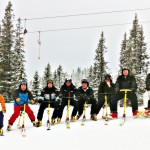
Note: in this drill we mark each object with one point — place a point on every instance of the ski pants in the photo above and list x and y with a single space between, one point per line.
44 105
1 119
120 95
146 99
81 106
16 113
101 102
64 103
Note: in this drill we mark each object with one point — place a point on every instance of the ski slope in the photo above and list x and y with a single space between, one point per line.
94 135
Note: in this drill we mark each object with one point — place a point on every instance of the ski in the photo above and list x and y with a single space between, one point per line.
106 121
123 120
67 123
48 125
83 121
23 133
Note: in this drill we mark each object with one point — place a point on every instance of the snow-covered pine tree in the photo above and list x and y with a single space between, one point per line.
123 53
36 85
18 67
55 78
60 76
90 76
47 75
7 39
100 65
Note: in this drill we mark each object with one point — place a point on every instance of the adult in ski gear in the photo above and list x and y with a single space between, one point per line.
49 95
107 86
125 81
68 91
85 94
2 110
22 96
146 97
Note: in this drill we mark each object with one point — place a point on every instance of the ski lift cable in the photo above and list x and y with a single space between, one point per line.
85 27
84 14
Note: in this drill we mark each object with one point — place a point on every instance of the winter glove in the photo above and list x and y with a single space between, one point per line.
17 99
32 101
4 111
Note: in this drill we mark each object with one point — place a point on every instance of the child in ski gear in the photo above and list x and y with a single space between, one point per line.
68 91
125 81
49 95
22 96
85 94
107 86
2 110
146 97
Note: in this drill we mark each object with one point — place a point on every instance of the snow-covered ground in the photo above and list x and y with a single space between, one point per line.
134 135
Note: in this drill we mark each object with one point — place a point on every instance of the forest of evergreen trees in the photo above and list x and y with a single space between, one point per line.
133 54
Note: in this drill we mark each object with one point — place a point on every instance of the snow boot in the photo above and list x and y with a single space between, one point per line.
58 120
53 122
146 113
78 116
9 127
136 114
73 119
34 123
39 123
1 132
113 115
94 117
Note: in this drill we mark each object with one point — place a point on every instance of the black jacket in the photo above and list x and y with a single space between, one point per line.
128 82
67 91
49 94
104 88
148 82
85 95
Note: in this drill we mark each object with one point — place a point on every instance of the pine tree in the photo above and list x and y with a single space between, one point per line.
60 76
18 66
6 51
90 76
55 78
36 85
99 69
47 74
124 54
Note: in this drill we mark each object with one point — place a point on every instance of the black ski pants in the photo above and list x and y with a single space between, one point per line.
120 95
44 105
81 106
101 102
64 103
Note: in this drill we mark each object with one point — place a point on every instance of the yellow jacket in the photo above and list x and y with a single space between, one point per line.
2 102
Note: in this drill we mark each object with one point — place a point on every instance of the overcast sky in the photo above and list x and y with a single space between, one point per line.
73 48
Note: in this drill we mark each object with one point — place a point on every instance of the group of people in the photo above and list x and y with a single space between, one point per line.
78 98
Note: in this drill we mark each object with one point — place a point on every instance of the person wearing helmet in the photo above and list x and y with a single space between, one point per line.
146 97
106 87
125 81
22 96
68 91
48 95
85 94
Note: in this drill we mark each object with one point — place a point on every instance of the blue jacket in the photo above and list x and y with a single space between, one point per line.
24 96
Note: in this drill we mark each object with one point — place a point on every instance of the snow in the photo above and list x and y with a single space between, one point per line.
93 135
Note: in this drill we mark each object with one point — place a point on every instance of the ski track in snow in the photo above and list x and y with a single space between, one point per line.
134 134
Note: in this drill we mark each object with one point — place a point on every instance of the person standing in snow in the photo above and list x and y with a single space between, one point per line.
22 96
49 95
146 97
2 110
125 81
